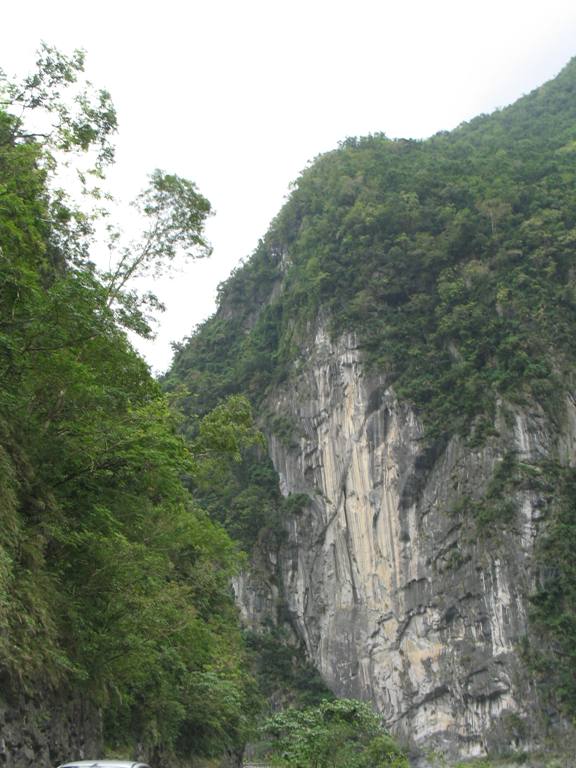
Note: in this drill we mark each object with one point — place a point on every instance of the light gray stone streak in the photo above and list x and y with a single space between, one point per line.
397 598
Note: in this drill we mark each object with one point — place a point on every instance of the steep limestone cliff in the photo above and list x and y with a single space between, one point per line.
399 595
405 331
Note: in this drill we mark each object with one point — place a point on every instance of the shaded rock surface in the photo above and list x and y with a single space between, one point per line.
47 729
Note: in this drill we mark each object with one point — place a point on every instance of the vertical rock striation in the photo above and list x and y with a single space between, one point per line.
47 728
399 597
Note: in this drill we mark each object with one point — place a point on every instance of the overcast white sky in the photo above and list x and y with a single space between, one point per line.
239 94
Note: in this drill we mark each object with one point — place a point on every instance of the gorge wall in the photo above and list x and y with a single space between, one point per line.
405 332
47 728
399 595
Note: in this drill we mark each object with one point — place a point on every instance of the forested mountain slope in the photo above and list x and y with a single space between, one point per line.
119 635
117 628
406 333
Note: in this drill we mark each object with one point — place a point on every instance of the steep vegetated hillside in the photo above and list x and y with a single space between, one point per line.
117 628
405 331
119 634
449 257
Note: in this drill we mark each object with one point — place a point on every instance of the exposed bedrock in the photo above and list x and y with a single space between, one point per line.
398 596
47 728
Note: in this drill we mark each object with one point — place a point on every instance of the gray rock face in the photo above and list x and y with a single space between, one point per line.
397 596
47 729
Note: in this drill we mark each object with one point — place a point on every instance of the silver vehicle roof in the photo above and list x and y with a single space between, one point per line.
103 764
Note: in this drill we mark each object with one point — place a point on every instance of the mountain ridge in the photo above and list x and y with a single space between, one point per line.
405 331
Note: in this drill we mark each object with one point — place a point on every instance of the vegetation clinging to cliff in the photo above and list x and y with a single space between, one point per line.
340 733
454 262
451 258
553 609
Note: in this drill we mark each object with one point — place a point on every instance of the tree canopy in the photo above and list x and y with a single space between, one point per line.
338 733
113 580
451 259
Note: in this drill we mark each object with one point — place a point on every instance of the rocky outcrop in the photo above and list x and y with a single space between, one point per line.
399 596
47 728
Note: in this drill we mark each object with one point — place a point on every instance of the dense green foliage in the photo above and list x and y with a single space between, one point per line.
454 262
282 670
113 581
244 496
453 259
340 733
554 603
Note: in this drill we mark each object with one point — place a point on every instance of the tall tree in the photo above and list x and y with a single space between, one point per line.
113 582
